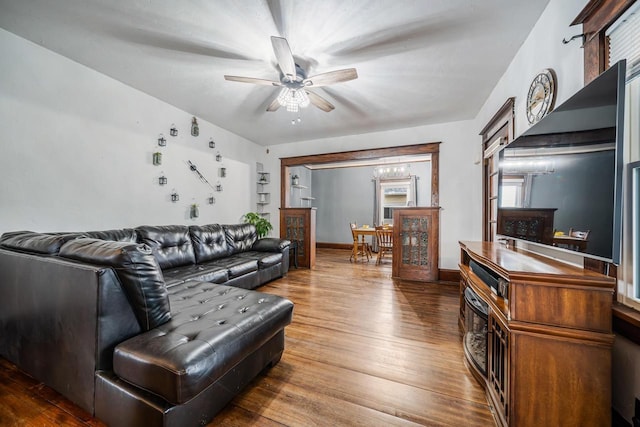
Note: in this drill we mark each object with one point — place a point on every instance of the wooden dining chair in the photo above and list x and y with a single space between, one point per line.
384 236
359 247
584 235
581 240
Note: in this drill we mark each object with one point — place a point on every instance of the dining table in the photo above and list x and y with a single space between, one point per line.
573 243
360 234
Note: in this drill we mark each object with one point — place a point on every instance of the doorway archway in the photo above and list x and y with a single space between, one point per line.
432 148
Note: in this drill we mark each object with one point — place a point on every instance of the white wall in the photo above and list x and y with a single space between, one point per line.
542 49
76 151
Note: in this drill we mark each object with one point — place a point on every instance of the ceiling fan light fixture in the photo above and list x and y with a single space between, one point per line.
293 99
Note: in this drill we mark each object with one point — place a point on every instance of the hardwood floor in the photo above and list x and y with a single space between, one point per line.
363 349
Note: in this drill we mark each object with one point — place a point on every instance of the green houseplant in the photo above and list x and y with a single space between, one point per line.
263 226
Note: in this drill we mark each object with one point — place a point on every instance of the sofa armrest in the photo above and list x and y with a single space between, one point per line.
138 272
271 244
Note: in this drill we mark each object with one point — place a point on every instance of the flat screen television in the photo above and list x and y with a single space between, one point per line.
560 181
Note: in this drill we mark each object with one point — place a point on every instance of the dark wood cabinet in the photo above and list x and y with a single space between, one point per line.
415 243
535 225
299 225
548 339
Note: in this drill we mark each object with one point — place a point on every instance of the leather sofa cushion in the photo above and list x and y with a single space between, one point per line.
118 235
33 242
205 273
271 244
209 242
265 259
240 237
235 265
171 244
137 270
213 328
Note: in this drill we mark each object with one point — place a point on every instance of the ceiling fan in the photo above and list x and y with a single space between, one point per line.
295 84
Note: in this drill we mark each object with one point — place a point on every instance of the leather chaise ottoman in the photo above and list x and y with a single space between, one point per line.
190 355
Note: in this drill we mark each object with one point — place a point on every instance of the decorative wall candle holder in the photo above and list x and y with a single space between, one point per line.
218 157
173 131
162 142
157 158
218 187
162 180
194 212
211 200
212 143
195 131
175 197
223 172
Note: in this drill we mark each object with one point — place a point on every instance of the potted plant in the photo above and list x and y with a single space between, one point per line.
263 226
295 179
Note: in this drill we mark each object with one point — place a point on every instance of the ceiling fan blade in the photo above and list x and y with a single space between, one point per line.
331 77
320 102
284 57
275 104
252 80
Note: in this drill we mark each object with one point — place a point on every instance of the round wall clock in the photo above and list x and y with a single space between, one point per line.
541 96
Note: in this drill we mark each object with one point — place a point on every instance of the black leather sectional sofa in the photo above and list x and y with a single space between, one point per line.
153 326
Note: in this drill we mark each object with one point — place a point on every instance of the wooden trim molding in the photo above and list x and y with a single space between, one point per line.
327 245
626 322
432 148
446 275
595 18
503 116
375 153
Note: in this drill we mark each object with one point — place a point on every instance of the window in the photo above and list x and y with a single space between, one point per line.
512 192
623 38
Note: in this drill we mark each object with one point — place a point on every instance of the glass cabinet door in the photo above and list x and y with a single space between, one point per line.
416 240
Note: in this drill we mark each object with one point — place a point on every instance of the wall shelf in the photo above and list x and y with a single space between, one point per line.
264 196
304 200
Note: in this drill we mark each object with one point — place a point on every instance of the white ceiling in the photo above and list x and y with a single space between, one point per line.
419 61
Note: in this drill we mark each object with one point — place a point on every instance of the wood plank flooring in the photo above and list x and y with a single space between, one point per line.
363 350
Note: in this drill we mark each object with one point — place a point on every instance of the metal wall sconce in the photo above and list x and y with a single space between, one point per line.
157 158
195 130
162 180
218 187
211 200
212 143
194 212
175 197
223 172
161 141
173 131
218 157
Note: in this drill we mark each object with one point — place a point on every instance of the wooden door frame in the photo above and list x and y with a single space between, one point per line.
432 148
500 125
